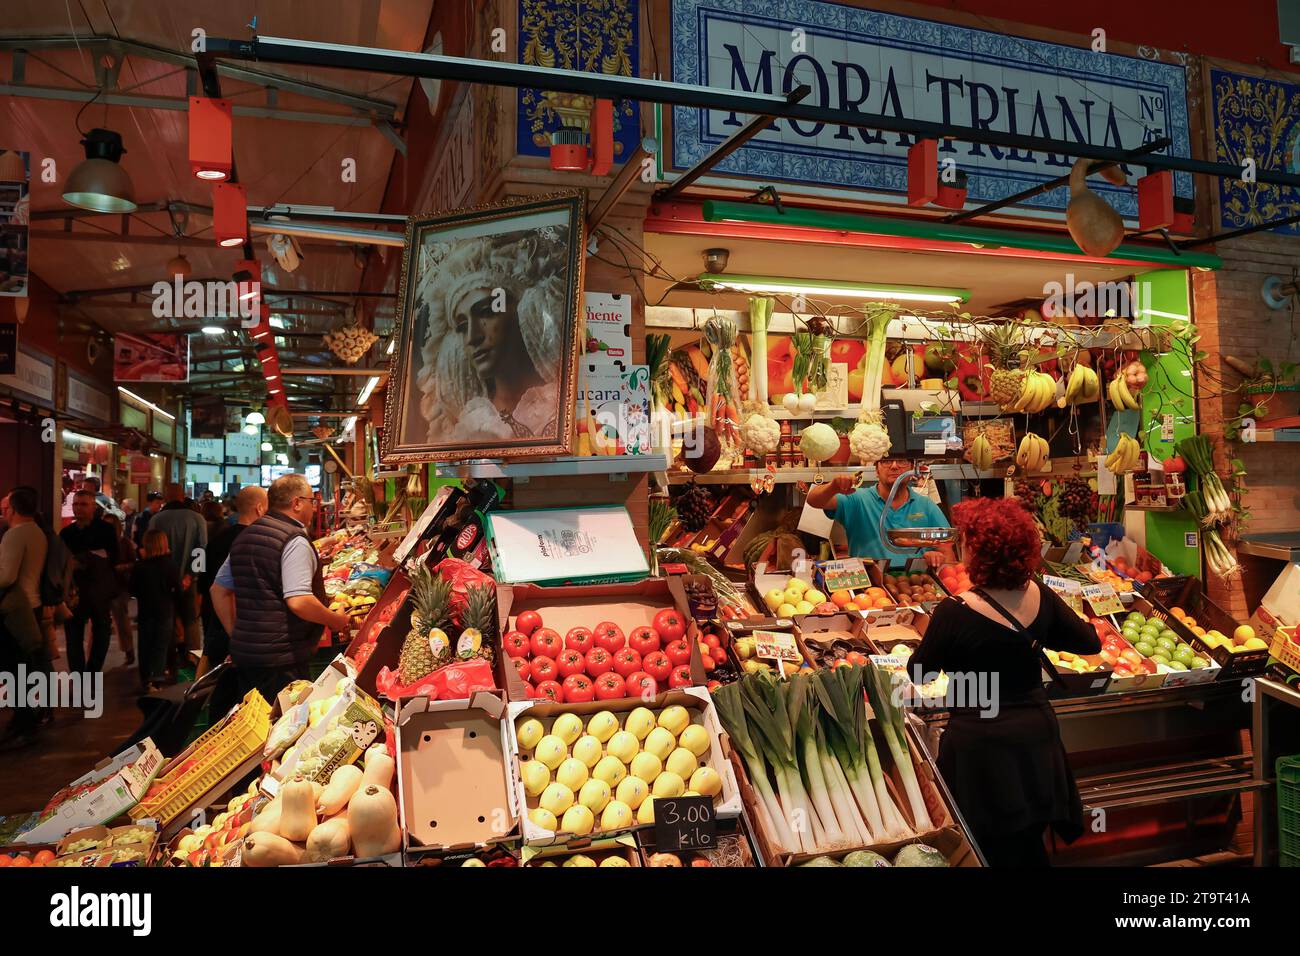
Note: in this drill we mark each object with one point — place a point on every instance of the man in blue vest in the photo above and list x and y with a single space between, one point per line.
270 595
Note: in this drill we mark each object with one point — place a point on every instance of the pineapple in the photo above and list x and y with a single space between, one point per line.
1005 345
479 618
427 646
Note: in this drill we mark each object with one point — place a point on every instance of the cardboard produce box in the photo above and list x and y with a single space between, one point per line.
111 789
628 605
352 723
565 546
1172 677
950 841
453 793
1186 593
734 847
697 702
622 849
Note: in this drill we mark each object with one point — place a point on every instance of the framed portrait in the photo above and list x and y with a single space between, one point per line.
487 332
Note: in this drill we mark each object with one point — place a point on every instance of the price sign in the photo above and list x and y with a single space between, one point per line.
776 646
887 617
1070 591
846 574
685 823
1103 599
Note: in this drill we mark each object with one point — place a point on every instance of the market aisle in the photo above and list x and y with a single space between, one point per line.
72 744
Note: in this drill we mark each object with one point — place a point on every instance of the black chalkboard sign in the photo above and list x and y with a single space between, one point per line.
685 823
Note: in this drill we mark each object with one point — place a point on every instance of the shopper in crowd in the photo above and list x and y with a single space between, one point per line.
187 536
250 504
92 484
858 511
214 516
128 522
22 641
1001 754
157 586
55 583
123 560
270 595
153 504
93 547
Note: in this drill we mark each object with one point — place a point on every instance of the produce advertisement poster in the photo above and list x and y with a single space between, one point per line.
776 646
15 210
845 574
1071 592
1103 599
609 328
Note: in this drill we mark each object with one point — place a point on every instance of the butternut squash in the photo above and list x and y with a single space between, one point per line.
379 768
267 819
372 818
343 783
297 810
329 840
1094 225
267 849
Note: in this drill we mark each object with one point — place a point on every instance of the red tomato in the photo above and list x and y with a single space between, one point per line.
719 655
544 668
517 644
626 661
580 639
610 686
547 643
570 662
610 636
578 689
657 665
522 666
528 622
644 640
550 690
679 652
670 624
599 661
681 677
713 685
712 640
640 684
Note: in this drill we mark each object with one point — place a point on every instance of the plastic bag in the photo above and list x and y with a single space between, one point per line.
462 576
452 682
286 730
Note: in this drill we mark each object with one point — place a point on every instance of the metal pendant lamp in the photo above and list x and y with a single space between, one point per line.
99 183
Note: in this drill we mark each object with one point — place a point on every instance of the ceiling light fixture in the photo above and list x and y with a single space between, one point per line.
367 389
179 266
250 429
98 182
213 330
255 418
211 136
267 446
832 287
392 344
230 214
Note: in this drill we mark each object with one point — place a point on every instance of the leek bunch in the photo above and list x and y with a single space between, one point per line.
809 750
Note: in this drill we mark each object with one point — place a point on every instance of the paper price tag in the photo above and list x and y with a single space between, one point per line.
776 646
845 574
1062 586
685 823
887 617
1103 599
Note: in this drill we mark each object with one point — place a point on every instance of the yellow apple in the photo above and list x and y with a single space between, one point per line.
632 791
814 597
588 750
786 610
578 819
551 751
529 733
617 816
556 798
623 745
675 719
706 780
572 773
695 739
646 766
594 795
640 722
602 726
535 776
543 818
668 784
610 770
773 598
803 607
681 762
660 742
646 812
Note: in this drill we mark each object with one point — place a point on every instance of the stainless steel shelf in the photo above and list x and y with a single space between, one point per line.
787 476
1279 545
555 467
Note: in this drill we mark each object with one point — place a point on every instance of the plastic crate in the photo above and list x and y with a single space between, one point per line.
1288 810
219 751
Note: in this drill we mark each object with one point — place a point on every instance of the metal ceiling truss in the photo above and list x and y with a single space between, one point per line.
110 52
459 69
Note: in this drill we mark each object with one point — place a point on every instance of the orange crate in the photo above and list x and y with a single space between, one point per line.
206 762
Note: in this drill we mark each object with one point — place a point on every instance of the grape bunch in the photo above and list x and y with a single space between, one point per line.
1077 501
1030 493
694 505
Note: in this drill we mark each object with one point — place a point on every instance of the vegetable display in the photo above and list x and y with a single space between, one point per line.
869 440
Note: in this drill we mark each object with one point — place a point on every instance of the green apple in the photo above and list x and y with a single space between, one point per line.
1167 643
774 599
1178 665
1198 663
661 742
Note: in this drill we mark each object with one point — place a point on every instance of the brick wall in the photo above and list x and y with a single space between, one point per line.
1233 320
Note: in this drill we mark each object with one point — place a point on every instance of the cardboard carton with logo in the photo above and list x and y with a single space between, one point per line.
112 788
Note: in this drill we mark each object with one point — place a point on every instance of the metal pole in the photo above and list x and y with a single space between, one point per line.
732 143
459 69
1248 230
622 182
1050 184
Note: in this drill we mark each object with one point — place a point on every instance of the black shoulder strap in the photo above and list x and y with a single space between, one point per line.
1019 628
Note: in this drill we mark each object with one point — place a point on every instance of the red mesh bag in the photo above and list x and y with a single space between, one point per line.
462 577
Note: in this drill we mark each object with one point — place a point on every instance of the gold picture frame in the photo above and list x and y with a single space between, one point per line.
488 328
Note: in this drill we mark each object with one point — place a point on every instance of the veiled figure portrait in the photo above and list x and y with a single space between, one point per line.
487 333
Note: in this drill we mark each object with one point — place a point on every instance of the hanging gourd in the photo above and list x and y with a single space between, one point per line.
1094 225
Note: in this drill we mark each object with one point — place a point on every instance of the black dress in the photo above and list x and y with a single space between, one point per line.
1008 773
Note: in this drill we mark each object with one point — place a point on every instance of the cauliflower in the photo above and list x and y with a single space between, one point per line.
869 442
761 435
818 442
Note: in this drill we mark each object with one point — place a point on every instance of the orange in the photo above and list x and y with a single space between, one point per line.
1178 612
840 598
884 602
6 860
43 857
1198 631
22 860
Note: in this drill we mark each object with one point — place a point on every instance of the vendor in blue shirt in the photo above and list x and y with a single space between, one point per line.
858 511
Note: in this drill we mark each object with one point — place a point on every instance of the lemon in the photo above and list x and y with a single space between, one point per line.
695 739
674 719
529 733
535 776
602 726
681 762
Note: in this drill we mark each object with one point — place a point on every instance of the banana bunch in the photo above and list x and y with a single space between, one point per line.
1037 394
981 453
1032 454
1125 456
1120 396
1082 386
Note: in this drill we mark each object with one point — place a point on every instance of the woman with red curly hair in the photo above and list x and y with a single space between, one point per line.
1001 754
